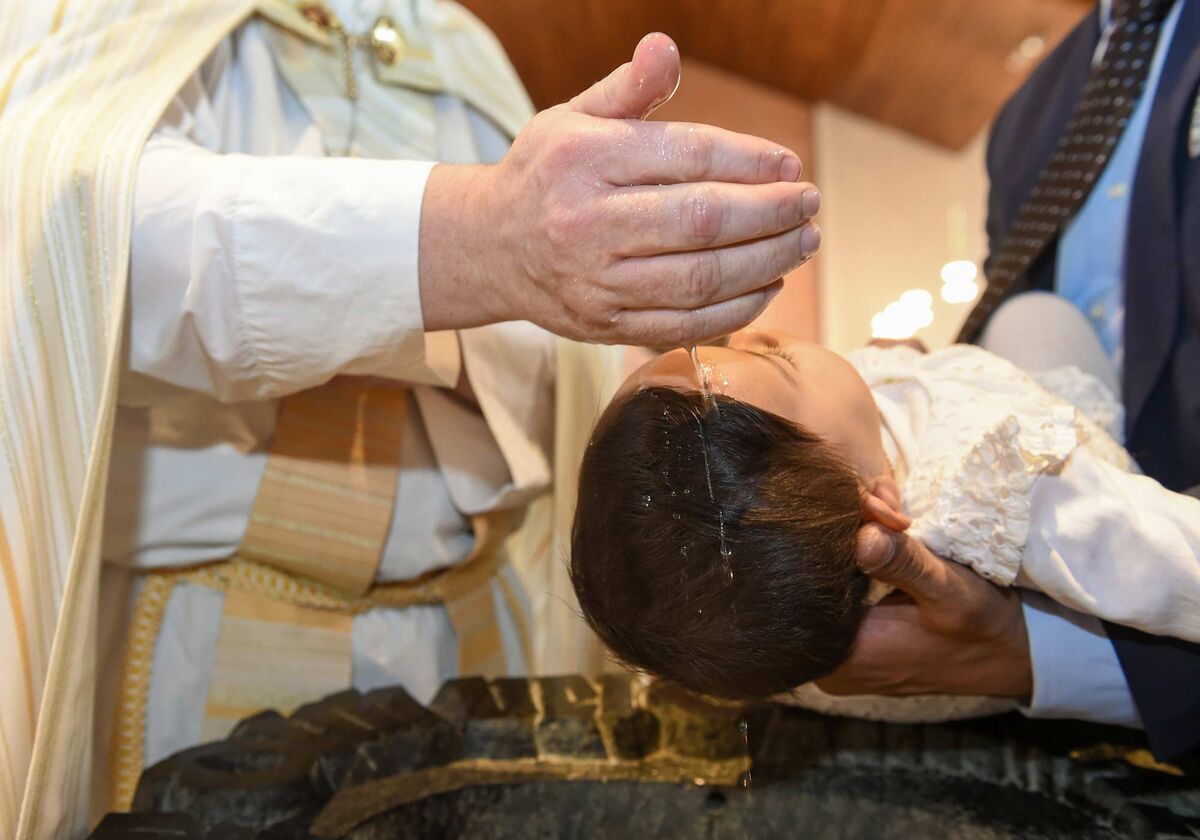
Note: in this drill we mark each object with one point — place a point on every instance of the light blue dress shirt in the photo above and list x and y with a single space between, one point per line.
1076 673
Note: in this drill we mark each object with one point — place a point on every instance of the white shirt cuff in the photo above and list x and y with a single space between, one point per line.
1076 673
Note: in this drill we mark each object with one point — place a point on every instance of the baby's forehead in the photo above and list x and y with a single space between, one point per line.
672 369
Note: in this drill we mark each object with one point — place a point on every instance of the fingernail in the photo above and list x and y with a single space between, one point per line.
870 544
790 169
810 239
811 202
891 546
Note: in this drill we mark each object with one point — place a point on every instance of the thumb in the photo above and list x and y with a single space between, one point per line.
904 563
635 89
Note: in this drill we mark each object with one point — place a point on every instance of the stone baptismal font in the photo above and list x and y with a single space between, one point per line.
569 757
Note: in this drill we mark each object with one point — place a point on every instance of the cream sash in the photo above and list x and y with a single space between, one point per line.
326 497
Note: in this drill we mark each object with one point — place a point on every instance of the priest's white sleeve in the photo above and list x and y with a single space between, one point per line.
252 277
1117 546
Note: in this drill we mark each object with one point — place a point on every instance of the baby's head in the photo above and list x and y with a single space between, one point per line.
788 469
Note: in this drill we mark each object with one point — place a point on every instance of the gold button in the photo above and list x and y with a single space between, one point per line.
388 42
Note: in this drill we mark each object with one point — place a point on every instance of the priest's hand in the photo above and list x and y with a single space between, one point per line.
600 226
946 630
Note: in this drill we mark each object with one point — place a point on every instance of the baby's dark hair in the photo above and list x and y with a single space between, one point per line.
660 480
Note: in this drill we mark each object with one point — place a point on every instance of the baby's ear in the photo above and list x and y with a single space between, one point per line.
881 503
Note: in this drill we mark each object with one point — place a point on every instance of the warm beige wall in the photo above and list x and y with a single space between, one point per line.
895 210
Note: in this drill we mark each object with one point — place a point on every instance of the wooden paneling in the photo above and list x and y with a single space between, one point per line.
941 68
936 68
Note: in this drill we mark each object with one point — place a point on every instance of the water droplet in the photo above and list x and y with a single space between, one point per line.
703 374
743 726
683 551
730 573
646 500
726 551
676 516
673 494
686 491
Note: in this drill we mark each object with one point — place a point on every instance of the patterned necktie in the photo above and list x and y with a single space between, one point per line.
1111 94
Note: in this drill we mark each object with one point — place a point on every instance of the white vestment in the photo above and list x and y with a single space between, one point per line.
261 268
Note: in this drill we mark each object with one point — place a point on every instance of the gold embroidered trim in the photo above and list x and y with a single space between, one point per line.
436 587
356 805
128 737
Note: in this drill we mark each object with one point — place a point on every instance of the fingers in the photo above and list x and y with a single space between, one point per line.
904 563
878 510
635 89
680 327
675 153
694 280
687 217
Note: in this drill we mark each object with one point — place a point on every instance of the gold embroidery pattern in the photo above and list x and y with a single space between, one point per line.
464 589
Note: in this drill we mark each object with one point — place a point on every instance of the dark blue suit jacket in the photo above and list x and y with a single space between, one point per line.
1162 311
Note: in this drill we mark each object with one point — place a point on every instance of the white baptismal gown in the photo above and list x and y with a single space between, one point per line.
1021 477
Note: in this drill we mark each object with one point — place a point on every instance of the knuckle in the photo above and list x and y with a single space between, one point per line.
704 278
899 567
566 149
695 153
704 216
674 331
975 607
797 254
789 212
765 169
563 226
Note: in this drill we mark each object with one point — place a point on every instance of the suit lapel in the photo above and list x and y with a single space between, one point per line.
1028 130
1152 254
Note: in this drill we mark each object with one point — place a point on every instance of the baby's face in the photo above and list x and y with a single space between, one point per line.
803 382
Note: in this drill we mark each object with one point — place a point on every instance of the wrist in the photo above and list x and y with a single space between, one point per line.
459 262
1006 668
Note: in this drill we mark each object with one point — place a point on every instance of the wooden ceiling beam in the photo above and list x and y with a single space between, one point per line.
936 68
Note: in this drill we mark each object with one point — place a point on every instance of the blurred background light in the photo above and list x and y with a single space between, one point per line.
902 318
1026 52
958 281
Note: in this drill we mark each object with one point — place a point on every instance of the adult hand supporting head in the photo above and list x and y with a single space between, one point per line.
947 630
600 226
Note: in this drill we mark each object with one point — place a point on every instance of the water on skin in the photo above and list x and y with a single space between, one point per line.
704 376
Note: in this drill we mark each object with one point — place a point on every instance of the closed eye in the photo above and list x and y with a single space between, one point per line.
776 350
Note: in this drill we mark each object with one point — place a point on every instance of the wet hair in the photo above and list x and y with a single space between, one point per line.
780 607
